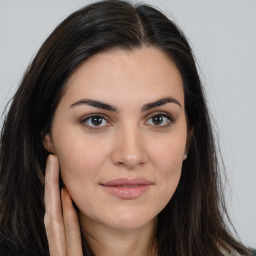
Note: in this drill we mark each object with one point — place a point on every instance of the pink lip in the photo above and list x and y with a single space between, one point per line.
127 188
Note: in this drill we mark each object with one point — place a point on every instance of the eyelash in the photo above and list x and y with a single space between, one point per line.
169 118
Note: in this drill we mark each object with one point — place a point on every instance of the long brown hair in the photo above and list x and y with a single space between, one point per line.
193 221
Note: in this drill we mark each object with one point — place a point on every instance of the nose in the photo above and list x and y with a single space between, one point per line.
129 149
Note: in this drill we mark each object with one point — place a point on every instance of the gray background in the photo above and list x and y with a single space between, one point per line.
223 36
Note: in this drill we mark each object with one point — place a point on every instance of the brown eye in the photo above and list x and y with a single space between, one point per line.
161 120
157 120
94 122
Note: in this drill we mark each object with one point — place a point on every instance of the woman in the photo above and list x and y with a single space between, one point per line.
113 103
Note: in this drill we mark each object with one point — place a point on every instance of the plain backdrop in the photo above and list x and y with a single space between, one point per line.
223 36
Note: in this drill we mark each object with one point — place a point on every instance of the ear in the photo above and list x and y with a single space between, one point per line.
48 144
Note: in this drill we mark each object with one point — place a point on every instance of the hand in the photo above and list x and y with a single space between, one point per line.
61 222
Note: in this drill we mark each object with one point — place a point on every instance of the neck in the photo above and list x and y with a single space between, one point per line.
112 242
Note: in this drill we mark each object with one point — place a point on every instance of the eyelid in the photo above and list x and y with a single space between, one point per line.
170 118
84 119
166 114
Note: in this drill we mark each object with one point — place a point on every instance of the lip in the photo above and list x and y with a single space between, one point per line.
124 188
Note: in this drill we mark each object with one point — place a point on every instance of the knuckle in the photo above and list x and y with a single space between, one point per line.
47 220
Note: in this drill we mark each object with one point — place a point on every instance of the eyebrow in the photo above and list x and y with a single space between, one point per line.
96 104
105 106
159 102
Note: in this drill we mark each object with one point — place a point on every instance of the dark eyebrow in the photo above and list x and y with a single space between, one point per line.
105 106
96 104
158 103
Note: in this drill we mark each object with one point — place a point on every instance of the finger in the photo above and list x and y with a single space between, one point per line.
52 192
53 219
72 226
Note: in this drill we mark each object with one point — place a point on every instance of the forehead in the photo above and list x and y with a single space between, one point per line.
140 74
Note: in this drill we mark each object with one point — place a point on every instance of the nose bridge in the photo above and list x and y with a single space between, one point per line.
130 148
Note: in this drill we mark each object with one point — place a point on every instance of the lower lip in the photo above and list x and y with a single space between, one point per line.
123 192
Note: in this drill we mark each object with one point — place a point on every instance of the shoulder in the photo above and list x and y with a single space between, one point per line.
253 252
7 248
235 253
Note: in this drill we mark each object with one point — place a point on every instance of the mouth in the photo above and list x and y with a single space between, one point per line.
127 189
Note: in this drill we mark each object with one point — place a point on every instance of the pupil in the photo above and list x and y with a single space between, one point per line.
96 120
157 120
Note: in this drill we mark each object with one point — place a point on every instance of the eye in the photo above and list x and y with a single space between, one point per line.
160 119
94 121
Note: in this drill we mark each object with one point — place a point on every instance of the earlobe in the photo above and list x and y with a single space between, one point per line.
48 145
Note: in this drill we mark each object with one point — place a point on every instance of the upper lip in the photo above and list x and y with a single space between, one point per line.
126 181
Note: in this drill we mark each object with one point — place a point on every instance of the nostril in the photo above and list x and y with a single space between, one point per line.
129 151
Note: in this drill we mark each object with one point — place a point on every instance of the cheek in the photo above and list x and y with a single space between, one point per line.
80 158
167 159
168 154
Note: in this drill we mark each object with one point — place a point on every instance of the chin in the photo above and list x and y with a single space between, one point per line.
130 221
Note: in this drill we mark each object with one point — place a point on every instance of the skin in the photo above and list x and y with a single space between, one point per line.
124 144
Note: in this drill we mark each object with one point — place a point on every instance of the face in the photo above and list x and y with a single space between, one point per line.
120 134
